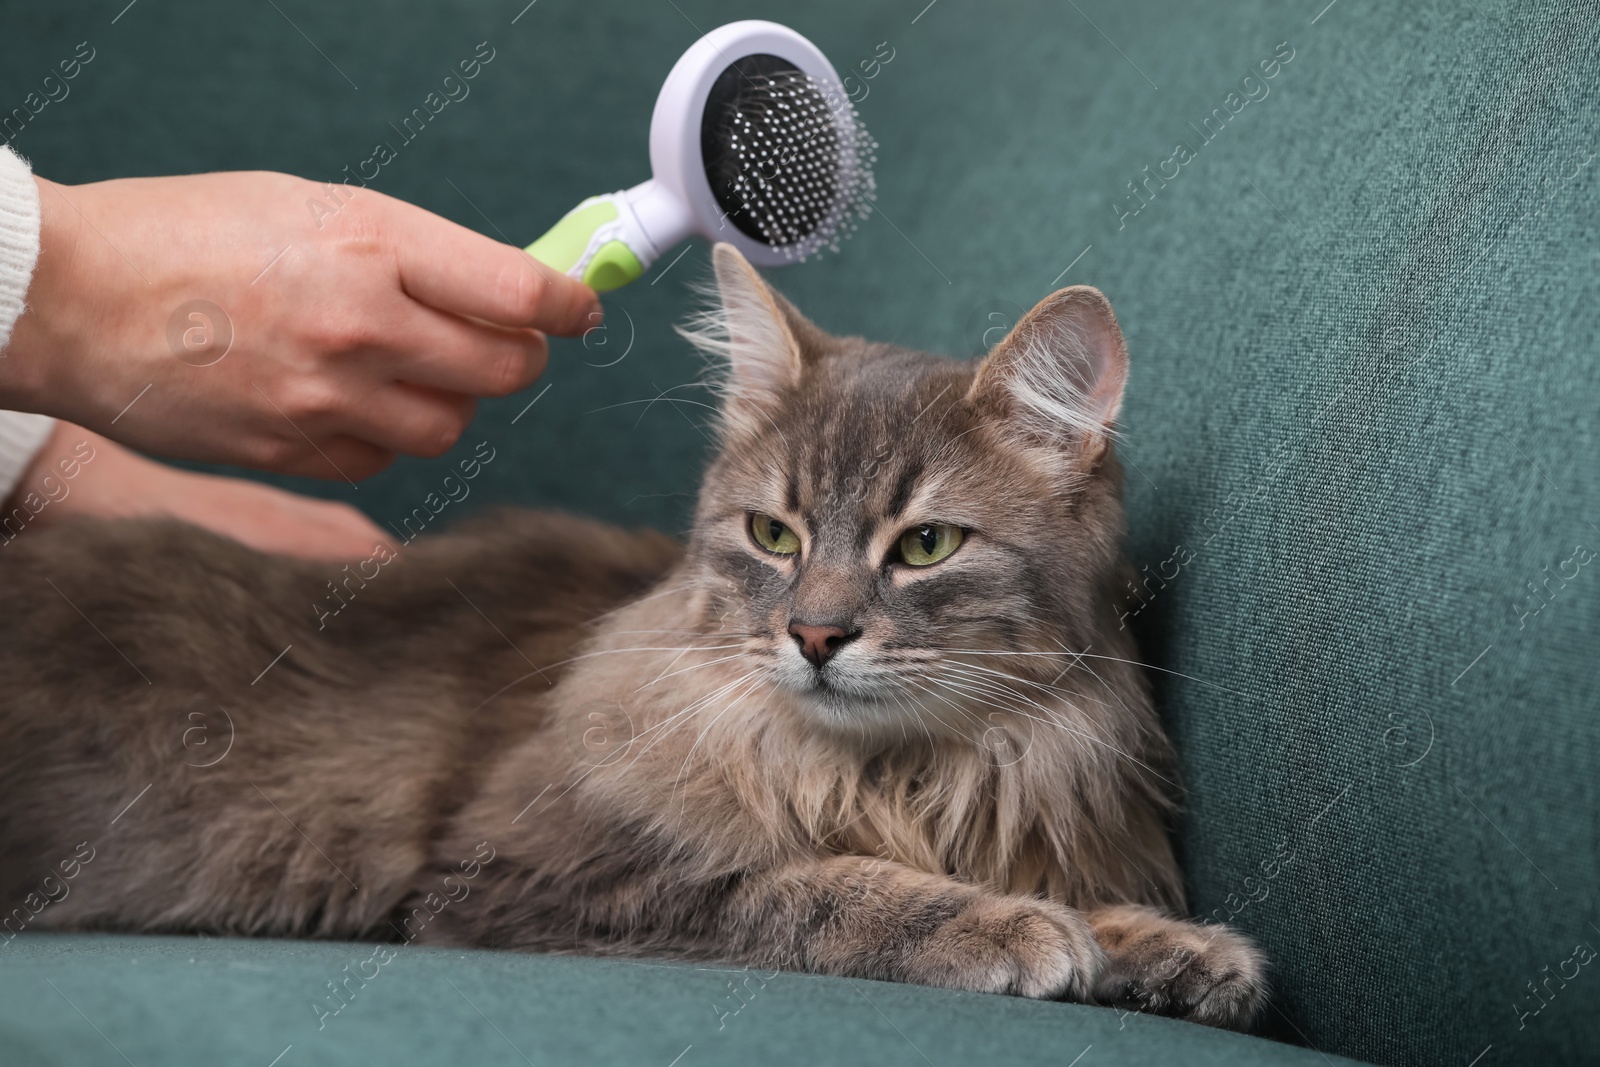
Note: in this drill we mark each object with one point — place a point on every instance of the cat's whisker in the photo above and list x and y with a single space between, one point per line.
535 673
731 702
655 594
987 678
995 700
1003 701
975 689
953 705
644 648
648 400
539 672
689 756
1113 659
1071 695
911 713
1051 720
691 667
904 706
692 631
976 670
1051 686
1052 717
580 778
682 715
1107 686
667 725
673 662
945 701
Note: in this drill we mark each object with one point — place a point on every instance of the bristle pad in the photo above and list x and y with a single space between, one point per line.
790 164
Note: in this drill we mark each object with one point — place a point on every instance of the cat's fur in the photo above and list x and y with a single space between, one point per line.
543 733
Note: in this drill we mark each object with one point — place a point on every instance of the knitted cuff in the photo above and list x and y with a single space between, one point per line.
21 436
19 238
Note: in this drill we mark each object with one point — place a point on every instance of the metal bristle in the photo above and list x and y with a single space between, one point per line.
792 164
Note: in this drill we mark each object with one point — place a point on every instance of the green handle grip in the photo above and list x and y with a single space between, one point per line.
584 245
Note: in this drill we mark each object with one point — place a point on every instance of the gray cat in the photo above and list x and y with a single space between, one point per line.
876 720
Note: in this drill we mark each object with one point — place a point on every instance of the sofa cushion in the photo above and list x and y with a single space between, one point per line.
83 1000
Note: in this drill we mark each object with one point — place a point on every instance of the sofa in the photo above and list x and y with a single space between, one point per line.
1355 250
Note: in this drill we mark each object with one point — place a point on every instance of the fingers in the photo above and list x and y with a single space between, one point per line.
455 355
341 459
412 419
300 526
453 269
270 519
348 429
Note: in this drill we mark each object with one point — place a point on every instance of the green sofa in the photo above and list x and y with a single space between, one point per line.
1362 304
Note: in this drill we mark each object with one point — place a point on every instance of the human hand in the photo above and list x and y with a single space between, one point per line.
356 333
80 474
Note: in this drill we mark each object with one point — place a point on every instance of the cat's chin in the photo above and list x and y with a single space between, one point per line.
848 700
850 712
870 718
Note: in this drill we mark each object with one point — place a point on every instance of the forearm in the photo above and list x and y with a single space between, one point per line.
864 917
850 915
854 916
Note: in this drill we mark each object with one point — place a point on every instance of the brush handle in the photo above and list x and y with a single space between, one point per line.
598 242
608 241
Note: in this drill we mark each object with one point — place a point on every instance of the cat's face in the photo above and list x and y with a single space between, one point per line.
896 538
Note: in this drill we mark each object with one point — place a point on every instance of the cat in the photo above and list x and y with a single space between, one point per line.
876 718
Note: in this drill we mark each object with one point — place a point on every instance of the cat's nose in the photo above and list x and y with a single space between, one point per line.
819 643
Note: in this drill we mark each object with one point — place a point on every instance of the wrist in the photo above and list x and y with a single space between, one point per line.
44 336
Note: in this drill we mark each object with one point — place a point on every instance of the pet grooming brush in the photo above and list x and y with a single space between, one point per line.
753 141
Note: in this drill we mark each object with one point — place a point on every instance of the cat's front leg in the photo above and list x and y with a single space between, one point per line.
869 918
1207 974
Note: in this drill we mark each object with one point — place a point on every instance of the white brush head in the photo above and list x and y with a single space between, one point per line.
754 142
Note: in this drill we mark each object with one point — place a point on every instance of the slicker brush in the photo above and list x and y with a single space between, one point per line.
753 142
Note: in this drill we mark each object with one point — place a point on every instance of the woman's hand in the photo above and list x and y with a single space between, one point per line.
81 474
338 327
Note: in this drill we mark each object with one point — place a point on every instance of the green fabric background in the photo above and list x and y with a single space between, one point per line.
1363 324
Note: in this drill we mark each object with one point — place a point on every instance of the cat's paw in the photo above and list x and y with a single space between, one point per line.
1206 974
1012 945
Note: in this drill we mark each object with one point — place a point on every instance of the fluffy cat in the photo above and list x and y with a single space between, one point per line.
877 719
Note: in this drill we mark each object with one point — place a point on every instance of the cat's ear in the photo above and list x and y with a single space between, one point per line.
1057 377
759 335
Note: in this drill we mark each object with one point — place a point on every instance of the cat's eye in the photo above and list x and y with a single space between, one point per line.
773 535
923 546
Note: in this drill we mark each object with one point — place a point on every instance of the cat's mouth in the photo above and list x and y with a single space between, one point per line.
848 691
826 685
841 696
857 700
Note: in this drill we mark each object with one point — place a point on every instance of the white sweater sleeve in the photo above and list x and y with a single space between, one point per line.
21 435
